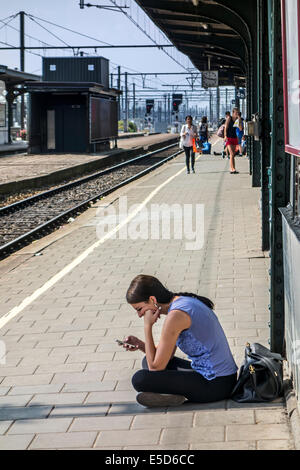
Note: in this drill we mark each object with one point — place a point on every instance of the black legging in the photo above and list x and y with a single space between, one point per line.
189 155
180 379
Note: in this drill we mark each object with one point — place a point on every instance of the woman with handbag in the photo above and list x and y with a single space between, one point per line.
187 135
230 138
209 375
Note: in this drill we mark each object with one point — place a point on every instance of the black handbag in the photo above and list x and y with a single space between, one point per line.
261 376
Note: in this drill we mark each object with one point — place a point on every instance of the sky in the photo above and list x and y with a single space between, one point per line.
108 26
101 25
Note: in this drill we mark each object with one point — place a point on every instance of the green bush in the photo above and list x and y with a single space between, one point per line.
132 127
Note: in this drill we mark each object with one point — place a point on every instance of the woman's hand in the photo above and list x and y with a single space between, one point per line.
135 344
151 316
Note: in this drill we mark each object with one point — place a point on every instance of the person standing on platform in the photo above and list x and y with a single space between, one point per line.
230 138
188 134
190 324
239 125
225 150
203 130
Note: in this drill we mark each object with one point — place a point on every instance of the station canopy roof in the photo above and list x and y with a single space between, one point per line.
69 87
13 77
208 32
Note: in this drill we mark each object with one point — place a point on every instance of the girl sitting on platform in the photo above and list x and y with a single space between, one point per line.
209 375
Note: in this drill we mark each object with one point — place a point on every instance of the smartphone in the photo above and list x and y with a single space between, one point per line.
122 343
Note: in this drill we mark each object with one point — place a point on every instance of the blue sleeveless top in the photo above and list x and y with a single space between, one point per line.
204 342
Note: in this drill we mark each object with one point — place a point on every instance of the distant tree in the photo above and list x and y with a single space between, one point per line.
132 127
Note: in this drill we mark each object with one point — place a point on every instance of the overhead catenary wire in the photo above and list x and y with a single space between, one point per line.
12 17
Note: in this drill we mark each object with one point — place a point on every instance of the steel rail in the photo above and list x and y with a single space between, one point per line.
50 225
51 192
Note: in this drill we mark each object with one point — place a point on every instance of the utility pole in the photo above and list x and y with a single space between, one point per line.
210 106
218 103
133 94
226 100
122 104
119 97
22 62
111 80
126 104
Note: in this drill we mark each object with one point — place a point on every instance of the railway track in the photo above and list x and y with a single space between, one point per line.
36 216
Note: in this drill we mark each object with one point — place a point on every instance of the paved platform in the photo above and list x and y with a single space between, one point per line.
66 384
19 167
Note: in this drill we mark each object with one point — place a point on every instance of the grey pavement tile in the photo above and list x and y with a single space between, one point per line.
38 360
271 416
209 418
169 420
60 368
94 423
32 412
90 357
239 445
76 377
4 425
90 386
59 343
189 407
38 379
111 366
276 445
128 437
37 426
16 442
18 400
35 389
4 390
61 440
242 432
41 337
193 435
111 397
58 399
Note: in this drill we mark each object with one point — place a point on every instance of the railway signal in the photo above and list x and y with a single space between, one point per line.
176 101
149 106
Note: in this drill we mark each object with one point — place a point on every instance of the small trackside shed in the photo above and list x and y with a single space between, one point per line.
71 117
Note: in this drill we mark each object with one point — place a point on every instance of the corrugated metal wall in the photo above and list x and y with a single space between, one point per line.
76 69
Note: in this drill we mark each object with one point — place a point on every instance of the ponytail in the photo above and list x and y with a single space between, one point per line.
204 300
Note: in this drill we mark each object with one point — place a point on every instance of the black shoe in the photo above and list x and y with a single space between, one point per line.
188 172
152 400
193 171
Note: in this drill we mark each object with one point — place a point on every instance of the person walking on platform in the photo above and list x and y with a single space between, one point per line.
188 134
231 140
203 130
209 375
